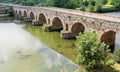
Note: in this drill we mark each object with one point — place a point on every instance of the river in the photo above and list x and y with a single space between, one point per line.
22 51
27 48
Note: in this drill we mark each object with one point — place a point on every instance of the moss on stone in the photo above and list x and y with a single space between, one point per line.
47 28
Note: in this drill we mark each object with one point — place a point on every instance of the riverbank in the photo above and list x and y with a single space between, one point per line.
4 15
6 18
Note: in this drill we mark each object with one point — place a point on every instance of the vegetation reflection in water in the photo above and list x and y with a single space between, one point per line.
44 60
53 40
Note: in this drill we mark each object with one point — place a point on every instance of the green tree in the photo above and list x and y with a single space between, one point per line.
116 3
9 12
86 2
71 4
104 1
98 6
91 52
81 3
62 3
92 2
82 8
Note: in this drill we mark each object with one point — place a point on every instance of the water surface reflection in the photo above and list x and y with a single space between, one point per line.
21 52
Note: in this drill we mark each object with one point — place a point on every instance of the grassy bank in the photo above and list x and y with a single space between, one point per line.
4 15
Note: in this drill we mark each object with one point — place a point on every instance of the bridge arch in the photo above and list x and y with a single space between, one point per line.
20 13
15 11
77 28
25 14
32 15
57 23
109 38
42 18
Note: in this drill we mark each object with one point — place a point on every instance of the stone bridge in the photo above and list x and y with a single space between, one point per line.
71 22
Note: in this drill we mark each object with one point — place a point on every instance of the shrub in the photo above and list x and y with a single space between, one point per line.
81 69
86 3
116 3
92 2
82 8
91 8
9 12
104 1
110 61
98 8
70 4
117 55
108 8
91 52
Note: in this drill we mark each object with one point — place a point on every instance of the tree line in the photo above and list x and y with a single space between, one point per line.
84 5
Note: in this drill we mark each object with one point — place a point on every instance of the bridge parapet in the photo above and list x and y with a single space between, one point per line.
75 12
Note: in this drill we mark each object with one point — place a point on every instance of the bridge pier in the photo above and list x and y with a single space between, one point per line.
36 23
47 28
26 19
66 34
16 15
20 17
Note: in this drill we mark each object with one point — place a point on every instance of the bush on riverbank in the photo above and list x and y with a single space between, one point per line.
92 54
117 55
9 12
108 8
70 4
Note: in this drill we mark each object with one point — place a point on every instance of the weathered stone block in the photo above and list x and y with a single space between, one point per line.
27 19
20 17
36 23
66 34
47 28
